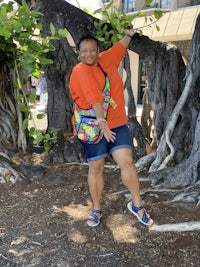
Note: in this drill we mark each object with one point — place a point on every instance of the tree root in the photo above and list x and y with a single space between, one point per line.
7 171
177 227
144 162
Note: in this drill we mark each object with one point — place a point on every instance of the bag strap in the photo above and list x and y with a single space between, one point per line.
107 81
105 92
105 74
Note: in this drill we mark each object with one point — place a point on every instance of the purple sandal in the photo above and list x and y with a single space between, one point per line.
145 218
94 218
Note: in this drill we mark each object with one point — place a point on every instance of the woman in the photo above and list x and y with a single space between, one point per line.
86 83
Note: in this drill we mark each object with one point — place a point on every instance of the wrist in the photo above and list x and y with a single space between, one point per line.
130 36
99 120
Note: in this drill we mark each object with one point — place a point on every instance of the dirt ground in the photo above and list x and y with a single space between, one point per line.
43 223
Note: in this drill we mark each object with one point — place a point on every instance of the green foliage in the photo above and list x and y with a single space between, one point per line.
87 10
62 32
148 2
23 47
47 139
118 20
21 40
158 14
110 28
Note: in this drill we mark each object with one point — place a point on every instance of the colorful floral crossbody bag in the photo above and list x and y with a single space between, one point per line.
87 127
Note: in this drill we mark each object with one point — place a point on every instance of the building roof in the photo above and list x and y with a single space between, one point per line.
174 26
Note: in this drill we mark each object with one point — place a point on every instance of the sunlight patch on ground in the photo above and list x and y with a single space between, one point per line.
77 237
21 253
122 229
19 240
31 194
76 211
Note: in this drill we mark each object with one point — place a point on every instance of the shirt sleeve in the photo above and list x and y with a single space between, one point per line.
115 54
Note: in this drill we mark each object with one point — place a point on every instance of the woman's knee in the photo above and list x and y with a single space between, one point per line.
96 166
123 157
125 161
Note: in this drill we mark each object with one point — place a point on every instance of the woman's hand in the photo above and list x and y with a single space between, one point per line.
125 41
108 134
130 32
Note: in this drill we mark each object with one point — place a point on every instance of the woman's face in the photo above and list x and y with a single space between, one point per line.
89 52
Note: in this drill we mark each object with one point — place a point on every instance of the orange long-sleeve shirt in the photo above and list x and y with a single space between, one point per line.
87 82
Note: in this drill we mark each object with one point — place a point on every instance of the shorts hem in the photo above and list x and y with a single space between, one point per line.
97 157
119 147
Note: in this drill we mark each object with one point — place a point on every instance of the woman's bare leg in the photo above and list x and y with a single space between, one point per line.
129 175
96 182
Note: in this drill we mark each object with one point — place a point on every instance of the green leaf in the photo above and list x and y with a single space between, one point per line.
32 131
31 98
148 2
26 22
31 67
54 139
39 138
36 73
40 116
34 45
158 14
30 116
25 35
54 130
45 61
97 11
20 96
25 7
47 136
52 28
3 12
25 124
4 32
23 107
141 14
50 47
39 26
29 59
108 6
157 28
46 146
63 32
87 10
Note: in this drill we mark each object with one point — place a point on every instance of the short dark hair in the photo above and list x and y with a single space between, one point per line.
87 37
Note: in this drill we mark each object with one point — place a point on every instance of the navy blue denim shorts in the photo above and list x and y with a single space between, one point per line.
104 148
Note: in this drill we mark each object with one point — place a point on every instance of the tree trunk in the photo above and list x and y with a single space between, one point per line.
182 132
139 148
